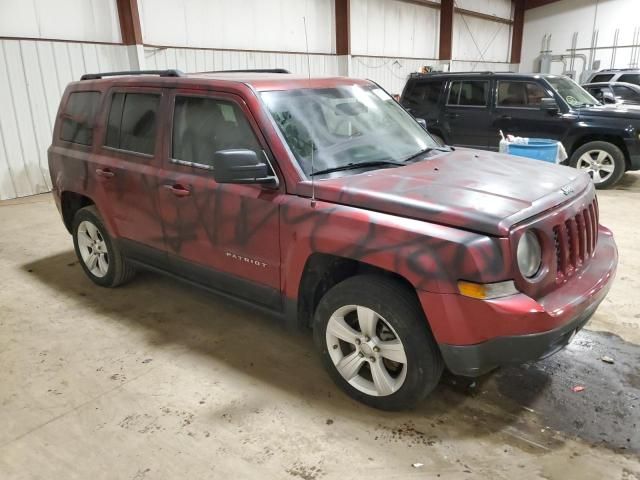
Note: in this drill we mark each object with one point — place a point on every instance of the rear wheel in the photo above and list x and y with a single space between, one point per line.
603 161
99 256
376 344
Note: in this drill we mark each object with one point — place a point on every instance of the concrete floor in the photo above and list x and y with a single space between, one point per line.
159 380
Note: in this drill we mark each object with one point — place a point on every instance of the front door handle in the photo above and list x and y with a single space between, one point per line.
178 190
506 117
452 115
105 173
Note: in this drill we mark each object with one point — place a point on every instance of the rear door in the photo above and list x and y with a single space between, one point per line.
467 119
225 236
128 166
517 112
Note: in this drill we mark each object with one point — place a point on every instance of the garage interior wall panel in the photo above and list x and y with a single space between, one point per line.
201 60
498 8
390 28
273 25
482 40
33 75
80 20
563 18
390 72
475 66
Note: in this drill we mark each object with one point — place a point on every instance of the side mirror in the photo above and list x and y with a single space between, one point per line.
610 99
422 122
241 166
549 105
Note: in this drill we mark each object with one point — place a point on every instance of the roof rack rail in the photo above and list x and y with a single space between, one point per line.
161 73
251 70
419 74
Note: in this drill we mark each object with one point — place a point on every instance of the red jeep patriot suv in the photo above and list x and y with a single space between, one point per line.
323 201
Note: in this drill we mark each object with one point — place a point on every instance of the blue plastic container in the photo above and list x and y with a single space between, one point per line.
537 148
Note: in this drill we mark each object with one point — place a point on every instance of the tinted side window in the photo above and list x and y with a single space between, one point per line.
630 78
602 78
424 94
78 117
468 93
520 94
132 122
202 126
625 93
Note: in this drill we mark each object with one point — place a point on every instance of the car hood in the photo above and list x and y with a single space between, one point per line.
475 190
616 111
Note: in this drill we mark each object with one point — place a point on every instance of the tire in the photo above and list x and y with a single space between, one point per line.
100 257
393 309
603 161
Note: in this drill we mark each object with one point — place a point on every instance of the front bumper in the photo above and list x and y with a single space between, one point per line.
476 360
476 336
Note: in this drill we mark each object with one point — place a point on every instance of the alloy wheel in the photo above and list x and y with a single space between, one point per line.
598 164
366 350
93 249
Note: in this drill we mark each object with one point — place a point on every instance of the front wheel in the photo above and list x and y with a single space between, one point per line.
375 342
603 161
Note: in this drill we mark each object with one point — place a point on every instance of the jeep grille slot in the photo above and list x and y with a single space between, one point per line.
575 241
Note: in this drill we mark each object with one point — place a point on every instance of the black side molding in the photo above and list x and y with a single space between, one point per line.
161 73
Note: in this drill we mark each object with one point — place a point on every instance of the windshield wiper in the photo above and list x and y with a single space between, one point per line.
427 150
353 166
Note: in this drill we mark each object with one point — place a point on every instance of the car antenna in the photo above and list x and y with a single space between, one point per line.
313 182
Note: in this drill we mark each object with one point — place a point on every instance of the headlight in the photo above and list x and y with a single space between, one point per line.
529 254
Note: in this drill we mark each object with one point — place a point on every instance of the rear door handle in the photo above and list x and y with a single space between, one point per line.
178 190
105 173
452 115
506 117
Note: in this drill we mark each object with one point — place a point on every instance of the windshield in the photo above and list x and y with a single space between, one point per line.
571 92
345 125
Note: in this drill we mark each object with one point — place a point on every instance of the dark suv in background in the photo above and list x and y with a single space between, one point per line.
470 109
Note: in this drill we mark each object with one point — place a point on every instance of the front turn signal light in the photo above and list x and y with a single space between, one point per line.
485 291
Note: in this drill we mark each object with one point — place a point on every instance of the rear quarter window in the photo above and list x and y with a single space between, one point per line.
602 78
78 117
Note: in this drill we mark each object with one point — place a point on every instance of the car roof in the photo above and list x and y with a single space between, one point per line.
258 80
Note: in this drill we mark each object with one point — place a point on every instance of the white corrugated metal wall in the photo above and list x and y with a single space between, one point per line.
206 59
34 73
389 40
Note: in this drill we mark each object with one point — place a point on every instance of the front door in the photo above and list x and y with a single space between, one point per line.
224 236
127 167
518 113
467 119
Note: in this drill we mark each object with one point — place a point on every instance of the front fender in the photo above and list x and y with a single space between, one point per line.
430 257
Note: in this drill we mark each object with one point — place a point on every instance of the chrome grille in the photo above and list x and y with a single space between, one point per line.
575 241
